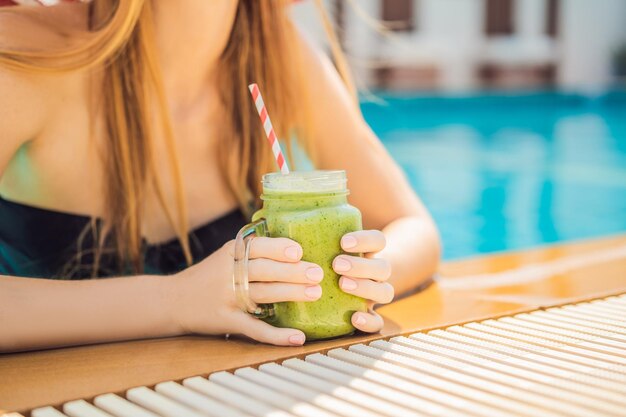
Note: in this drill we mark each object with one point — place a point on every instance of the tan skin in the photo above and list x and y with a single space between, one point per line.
57 167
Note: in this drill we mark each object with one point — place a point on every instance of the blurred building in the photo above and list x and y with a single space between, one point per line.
461 45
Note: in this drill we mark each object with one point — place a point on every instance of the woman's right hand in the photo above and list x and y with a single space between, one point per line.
205 301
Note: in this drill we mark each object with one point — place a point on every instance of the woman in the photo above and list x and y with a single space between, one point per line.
131 150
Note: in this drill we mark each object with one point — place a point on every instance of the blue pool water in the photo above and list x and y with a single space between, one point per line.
501 172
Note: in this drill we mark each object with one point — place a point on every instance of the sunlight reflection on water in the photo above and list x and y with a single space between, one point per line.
502 172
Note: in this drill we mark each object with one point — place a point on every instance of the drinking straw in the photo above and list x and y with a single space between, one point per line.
269 129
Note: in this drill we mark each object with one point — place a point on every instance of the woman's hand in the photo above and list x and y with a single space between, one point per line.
365 276
206 301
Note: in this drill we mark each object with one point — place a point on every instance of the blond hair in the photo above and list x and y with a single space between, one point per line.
261 48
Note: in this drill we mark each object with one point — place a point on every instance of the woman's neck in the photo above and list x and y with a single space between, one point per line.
190 37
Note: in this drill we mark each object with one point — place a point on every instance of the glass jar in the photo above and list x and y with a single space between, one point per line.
312 209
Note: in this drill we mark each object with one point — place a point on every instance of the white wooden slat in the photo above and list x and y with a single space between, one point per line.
46 412
452 405
234 398
197 401
119 407
81 408
159 404
269 396
365 401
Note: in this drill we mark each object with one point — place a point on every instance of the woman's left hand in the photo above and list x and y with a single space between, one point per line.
365 276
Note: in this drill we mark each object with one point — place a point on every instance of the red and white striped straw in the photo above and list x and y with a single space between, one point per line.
269 129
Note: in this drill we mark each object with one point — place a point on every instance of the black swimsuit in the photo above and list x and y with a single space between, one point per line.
44 243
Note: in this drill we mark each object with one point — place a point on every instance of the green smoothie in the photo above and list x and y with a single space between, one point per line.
312 209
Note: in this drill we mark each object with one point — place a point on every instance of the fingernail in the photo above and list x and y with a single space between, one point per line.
296 339
348 242
359 320
348 284
313 292
292 252
341 265
314 274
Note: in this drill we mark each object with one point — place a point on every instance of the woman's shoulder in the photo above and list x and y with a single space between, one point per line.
25 103
28 95
332 81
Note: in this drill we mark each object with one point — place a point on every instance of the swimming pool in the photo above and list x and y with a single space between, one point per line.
501 172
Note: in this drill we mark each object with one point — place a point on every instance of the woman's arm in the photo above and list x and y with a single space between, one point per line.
412 249
342 140
37 313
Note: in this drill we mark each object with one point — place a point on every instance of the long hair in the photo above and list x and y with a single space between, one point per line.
120 39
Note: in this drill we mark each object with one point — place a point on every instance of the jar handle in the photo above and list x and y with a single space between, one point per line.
241 286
